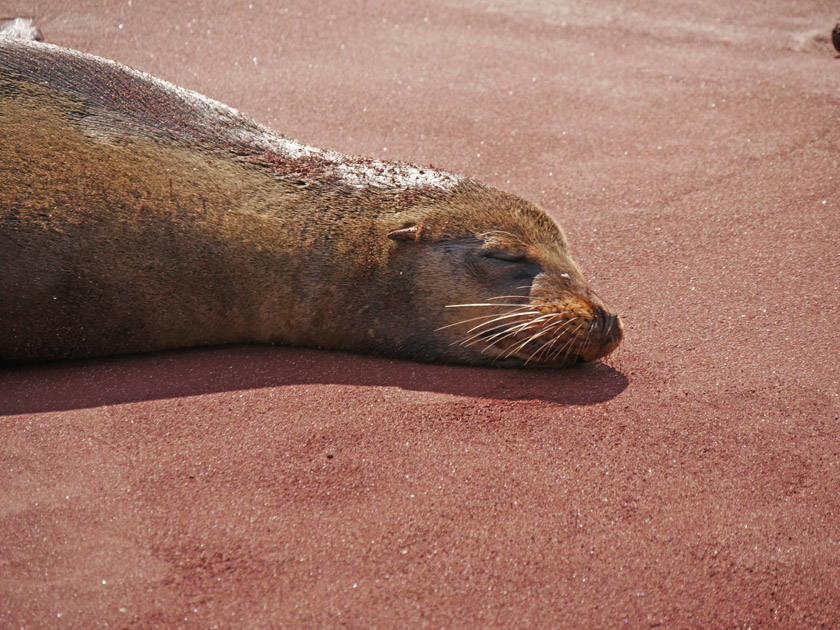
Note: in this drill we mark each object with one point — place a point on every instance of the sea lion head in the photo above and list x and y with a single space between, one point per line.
494 276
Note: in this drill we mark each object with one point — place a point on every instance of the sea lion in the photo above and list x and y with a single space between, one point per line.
138 216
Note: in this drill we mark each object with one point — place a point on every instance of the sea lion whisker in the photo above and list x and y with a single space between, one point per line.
502 232
568 345
556 354
525 299
545 329
585 341
509 328
503 326
474 319
485 335
500 318
580 347
477 328
517 347
513 330
553 356
500 339
479 304
546 343
509 297
546 347
518 328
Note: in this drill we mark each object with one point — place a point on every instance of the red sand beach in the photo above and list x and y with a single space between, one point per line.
692 480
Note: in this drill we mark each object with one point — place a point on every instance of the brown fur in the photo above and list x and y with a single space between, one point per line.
135 216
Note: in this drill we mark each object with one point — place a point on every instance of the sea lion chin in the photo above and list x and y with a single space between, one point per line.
138 216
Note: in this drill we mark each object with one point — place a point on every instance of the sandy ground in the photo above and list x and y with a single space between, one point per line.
690 150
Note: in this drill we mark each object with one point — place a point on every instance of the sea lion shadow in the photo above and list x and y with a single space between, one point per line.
92 383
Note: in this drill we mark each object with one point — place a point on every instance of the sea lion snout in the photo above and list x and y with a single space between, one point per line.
604 328
607 331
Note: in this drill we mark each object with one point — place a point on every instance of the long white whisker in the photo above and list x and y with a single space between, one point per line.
508 297
513 330
480 304
554 356
483 234
501 317
557 330
483 335
569 351
546 343
473 319
544 348
585 340
567 346
516 326
543 331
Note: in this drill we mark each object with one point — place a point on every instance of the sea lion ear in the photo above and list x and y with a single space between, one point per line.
410 233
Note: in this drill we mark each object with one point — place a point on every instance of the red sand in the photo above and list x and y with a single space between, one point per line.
690 151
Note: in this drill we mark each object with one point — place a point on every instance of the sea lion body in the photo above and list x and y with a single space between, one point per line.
138 216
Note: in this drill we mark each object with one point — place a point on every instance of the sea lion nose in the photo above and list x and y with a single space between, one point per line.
607 329
613 328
